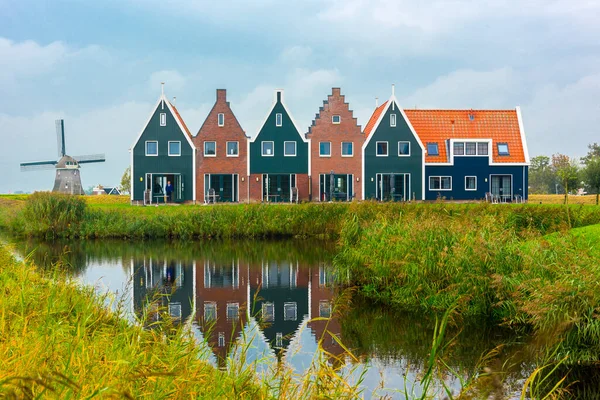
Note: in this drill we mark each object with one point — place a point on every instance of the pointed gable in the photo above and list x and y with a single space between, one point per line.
230 125
374 118
334 105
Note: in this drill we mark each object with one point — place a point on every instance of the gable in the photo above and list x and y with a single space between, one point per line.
231 126
335 105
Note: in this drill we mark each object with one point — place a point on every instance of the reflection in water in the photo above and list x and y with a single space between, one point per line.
284 291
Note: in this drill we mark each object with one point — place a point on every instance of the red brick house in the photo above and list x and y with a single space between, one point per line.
222 155
336 140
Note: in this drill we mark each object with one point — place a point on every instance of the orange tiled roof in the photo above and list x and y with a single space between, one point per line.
178 116
502 126
374 119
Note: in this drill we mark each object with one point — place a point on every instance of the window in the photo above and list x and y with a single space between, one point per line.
268 312
152 148
336 119
440 183
503 149
163 119
279 339
459 149
325 149
382 149
174 148
432 149
175 310
210 311
392 120
403 149
470 183
221 339
233 311
221 119
471 148
210 149
267 149
289 149
324 309
482 149
290 311
347 149
278 119
232 149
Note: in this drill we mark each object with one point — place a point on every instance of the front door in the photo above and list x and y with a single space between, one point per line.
393 187
501 186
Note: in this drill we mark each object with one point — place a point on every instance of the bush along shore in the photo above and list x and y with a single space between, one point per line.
58 340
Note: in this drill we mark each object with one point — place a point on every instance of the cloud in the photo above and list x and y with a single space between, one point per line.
26 59
173 80
296 54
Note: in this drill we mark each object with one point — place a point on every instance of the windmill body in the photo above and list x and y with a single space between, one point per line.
68 176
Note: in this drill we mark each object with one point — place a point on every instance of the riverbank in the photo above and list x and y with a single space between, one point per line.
58 340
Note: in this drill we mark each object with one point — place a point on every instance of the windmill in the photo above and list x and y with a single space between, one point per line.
68 177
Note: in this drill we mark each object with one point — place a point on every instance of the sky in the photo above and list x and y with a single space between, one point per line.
98 65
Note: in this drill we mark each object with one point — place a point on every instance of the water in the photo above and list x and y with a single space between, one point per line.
294 302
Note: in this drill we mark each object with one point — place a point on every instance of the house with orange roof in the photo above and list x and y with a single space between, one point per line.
393 154
163 158
473 154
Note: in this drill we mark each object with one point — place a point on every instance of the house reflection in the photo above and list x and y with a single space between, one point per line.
162 287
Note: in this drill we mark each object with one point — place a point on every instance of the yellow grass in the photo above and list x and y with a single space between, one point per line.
559 198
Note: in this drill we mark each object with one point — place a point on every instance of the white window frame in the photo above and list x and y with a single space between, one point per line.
294 309
387 149
221 339
409 151
210 155
231 307
221 119
342 149
467 145
295 148
278 119
146 149
163 119
213 305
264 308
440 178
339 119
393 120
169 148
437 146
227 149
324 155
470 176
262 148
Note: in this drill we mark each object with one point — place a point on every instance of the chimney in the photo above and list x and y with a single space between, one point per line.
336 91
376 102
221 95
279 95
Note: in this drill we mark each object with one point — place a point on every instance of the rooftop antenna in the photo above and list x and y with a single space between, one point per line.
393 89
162 88
174 98
376 102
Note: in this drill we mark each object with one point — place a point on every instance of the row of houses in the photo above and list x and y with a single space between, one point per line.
400 155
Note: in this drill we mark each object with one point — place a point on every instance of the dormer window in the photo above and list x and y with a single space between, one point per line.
336 119
278 119
432 149
459 148
470 148
221 119
392 120
163 119
503 149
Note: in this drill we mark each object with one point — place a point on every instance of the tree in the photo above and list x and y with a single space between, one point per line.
126 181
593 152
567 172
541 175
592 175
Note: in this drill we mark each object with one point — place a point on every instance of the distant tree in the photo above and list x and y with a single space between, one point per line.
593 152
567 172
541 175
591 175
126 181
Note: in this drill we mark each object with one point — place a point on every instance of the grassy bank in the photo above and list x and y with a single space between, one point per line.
506 268
57 340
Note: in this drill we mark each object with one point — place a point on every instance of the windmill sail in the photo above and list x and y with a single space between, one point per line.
60 137
37 165
91 158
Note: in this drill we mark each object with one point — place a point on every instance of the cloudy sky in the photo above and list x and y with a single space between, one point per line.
99 66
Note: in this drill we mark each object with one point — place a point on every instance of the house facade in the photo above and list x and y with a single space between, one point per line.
222 155
473 152
336 143
163 153
278 163
393 166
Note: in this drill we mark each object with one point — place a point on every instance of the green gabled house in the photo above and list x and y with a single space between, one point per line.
393 167
278 161
163 153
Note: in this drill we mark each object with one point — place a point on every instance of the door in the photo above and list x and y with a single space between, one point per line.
501 186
